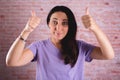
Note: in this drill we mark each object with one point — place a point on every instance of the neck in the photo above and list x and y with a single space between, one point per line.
56 43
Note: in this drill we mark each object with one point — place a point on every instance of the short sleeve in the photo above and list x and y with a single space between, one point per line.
33 48
87 50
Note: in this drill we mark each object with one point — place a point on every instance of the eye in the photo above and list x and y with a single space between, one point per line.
64 23
55 22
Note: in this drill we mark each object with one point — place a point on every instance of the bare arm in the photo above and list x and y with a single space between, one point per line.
17 55
105 51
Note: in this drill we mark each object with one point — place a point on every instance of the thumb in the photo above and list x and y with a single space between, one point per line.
33 13
87 11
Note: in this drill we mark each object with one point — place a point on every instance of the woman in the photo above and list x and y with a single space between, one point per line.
61 57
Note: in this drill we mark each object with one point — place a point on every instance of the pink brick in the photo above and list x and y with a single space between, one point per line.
14 15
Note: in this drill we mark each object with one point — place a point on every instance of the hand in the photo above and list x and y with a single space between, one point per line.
88 21
32 23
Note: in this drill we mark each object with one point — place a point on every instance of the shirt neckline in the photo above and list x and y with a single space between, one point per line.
53 45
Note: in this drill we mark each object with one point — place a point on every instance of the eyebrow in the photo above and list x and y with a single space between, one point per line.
63 19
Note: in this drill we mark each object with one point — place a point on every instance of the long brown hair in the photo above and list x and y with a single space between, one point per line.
69 44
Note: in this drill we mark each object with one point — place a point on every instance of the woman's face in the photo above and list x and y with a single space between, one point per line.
58 25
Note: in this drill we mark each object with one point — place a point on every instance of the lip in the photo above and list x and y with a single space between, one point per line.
58 34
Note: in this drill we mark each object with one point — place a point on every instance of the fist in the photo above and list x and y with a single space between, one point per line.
88 21
33 22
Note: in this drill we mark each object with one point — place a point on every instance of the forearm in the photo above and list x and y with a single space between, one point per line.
105 51
16 50
105 45
15 54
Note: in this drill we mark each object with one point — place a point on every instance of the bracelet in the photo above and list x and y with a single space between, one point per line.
22 39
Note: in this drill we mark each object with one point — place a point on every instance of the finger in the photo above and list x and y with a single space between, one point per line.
87 24
33 13
87 11
85 17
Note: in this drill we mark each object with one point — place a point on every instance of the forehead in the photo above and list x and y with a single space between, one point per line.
59 16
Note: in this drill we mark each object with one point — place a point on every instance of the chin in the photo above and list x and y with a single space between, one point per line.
59 38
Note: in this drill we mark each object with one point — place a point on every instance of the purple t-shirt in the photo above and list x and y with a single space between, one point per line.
51 67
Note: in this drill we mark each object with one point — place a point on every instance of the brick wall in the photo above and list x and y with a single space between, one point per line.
15 13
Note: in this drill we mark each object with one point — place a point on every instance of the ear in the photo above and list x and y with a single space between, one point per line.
48 25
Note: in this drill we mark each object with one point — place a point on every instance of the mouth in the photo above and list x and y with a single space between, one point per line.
58 34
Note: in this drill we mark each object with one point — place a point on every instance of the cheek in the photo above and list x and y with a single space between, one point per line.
66 29
52 29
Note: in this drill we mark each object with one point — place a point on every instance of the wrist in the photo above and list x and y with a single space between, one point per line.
95 28
21 38
25 34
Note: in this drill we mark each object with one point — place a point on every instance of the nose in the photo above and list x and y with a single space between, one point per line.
59 27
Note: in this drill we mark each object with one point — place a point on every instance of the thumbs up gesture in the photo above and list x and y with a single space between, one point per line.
33 22
88 21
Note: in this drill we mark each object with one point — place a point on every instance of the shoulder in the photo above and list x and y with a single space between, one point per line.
40 43
82 43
